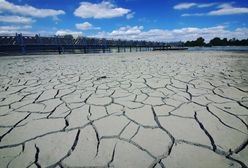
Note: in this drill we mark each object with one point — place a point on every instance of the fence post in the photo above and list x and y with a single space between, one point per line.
58 45
21 43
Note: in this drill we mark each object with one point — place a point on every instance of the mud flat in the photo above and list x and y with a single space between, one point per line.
150 109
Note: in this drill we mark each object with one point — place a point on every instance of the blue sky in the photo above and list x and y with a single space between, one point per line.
156 20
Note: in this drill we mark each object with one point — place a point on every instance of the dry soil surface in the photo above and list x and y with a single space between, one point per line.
151 109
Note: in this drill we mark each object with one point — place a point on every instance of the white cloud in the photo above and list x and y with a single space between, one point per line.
100 10
16 19
69 32
183 34
86 26
184 6
181 6
206 5
223 9
130 15
191 5
225 5
28 10
227 9
193 14
14 28
122 31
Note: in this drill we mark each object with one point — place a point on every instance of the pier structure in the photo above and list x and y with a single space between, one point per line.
20 44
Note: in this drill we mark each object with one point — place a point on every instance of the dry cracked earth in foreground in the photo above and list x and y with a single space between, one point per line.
148 109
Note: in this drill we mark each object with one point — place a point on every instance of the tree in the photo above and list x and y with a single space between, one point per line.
200 41
216 41
224 42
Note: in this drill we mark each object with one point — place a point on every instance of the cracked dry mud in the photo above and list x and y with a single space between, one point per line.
150 109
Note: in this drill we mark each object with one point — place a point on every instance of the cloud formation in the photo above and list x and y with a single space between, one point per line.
68 32
227 9
130 15
182 6
28 10
99 10
127 30
16 19
220 9
14 29
183 34
86 26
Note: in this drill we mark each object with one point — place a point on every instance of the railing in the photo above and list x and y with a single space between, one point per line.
20 44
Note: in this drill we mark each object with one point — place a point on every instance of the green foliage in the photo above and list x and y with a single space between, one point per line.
216 42
198 42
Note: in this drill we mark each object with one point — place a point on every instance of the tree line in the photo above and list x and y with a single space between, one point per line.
216 42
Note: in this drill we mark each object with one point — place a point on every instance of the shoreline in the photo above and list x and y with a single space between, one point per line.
127 50
128 53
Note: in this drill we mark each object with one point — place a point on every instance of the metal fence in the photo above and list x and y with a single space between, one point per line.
19 44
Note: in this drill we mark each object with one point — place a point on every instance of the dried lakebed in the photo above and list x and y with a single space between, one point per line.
148 109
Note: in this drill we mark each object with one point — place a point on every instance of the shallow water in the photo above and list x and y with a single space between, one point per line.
220 48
